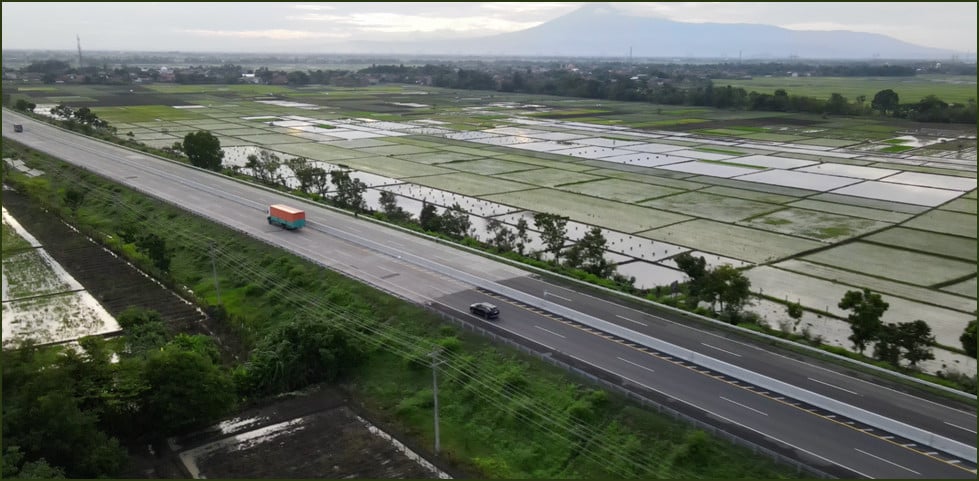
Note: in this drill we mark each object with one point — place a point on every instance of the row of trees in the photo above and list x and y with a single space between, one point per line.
723 287
911 341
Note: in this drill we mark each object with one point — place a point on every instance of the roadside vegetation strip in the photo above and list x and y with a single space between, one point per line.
489 393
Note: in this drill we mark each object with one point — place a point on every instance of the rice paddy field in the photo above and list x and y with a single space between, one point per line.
40 300
808 205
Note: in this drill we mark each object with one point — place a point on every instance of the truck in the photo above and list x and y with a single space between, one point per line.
289 218
18 128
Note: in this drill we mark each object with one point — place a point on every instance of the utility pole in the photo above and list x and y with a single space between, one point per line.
214 271
435 394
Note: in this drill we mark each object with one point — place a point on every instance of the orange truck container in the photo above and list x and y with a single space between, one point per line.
287 217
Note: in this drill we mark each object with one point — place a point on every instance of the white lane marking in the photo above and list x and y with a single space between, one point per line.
960 427
833 386
637 383
550 331
744 406
385 269
637 365
888 462
632 320
351 229
722 350
394 243
555 295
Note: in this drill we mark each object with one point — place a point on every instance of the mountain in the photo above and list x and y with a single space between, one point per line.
600 30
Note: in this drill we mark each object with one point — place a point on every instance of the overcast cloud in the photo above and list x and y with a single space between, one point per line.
332 27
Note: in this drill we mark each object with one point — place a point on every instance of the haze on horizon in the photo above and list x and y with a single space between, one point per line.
337 27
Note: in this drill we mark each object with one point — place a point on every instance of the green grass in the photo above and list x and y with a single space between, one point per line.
909 90
896 149
146 113
12 242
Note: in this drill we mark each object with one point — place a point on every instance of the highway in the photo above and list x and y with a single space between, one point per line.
382 256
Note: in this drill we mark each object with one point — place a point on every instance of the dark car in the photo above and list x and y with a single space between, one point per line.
485 310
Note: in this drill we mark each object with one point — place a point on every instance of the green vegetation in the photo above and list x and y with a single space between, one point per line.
957 89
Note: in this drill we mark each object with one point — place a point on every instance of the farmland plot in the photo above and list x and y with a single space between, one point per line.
925 241
814 224
589 210
743 243
946 222
620 190
710 206
876 284
891 263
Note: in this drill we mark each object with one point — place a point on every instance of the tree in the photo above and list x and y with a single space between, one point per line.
302 169
867 308
186 390
837 104
349 191
24 106
695 268
389 205
887 347
553 229
522 237
265 167
502 237
916 339
968 338
727 286
300 353
429 218
155 247
204 150
589 254
455 222
885 101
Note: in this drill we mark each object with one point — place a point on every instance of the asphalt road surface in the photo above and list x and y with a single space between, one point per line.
381 256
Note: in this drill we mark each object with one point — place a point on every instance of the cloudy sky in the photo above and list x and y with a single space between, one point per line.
330 27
